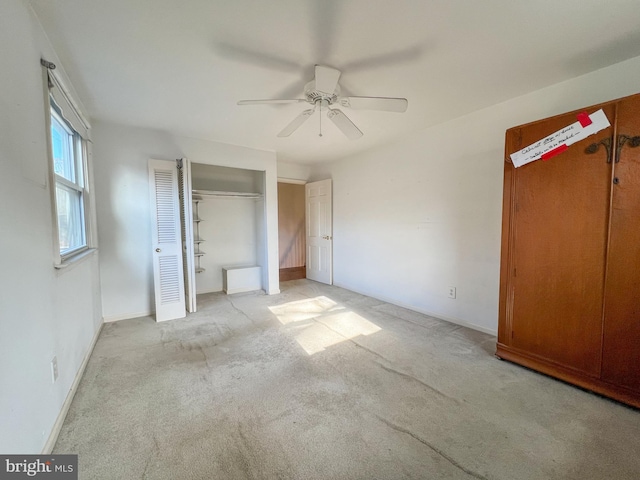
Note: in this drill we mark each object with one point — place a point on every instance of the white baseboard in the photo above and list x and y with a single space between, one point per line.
268 292
127 316
57 426
456 321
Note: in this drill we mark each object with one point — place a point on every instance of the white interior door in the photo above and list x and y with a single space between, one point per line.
319 231
168 274
186 216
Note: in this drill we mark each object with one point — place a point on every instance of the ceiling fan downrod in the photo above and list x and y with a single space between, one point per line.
320 101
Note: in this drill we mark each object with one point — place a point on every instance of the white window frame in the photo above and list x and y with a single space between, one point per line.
59 104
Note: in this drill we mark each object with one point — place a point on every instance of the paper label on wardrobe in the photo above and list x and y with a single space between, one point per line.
567 136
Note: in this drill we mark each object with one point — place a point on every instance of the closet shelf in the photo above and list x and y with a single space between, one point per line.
198 254
199 270
204 194
198 240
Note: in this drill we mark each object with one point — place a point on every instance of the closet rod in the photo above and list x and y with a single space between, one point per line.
202 194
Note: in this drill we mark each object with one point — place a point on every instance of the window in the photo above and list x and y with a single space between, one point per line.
73 215
68 167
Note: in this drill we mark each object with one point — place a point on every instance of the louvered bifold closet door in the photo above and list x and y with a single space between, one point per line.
166 240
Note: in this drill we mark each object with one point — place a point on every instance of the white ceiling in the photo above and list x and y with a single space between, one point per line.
181 65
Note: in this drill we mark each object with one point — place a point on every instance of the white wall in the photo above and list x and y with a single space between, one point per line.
124 224
291 171
229 228
43 311
423 214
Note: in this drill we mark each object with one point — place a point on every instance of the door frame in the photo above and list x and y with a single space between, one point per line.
187 234
293 273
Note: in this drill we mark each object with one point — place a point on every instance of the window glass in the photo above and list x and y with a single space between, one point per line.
68 163
62 145
70 219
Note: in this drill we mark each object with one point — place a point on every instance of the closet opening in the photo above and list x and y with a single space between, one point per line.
224 225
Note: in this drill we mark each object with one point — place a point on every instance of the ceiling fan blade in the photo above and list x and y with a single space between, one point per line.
296 123
326 79
385 104
344 124
271 102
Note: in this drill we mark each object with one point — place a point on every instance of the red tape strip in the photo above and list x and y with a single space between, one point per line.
554 152
584 119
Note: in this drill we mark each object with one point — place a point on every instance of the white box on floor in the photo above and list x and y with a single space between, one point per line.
241 279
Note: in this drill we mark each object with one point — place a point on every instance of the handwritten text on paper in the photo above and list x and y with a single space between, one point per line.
566 136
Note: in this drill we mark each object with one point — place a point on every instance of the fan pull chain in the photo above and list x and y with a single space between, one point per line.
320 134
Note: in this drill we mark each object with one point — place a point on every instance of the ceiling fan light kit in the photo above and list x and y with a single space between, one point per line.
322 92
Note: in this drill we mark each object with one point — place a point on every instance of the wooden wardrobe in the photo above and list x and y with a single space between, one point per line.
570 266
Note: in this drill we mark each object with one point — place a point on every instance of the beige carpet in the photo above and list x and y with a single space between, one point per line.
322 383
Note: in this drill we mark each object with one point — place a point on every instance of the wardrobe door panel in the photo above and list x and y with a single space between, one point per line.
621 350
559 248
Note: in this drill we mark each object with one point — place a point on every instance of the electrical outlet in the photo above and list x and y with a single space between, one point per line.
54 369
452 292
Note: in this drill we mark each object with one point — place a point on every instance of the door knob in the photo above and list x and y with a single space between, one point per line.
158 250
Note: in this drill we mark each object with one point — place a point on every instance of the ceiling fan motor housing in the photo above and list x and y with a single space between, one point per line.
313 96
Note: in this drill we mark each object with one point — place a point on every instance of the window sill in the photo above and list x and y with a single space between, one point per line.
74 260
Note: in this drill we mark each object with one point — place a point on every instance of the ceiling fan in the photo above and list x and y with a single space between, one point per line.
323 92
